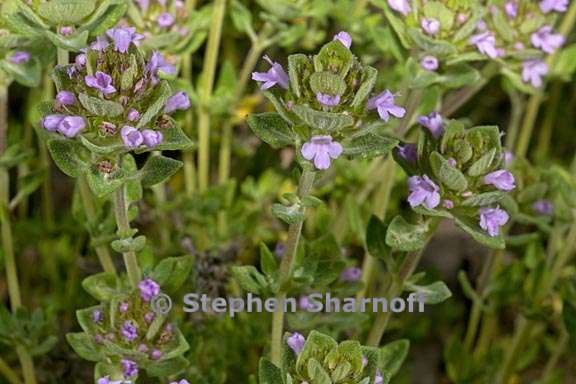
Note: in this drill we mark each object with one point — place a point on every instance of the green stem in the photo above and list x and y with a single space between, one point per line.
124 231
522 331
559 349
188 157
27 365
63 57
286 266
160 196
208 74
45 163
478 303
9 373
543 145
517 102
102 250
413 102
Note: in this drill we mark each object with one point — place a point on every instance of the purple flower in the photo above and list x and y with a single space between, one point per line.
351 274
543 207
123 307
183 381
408 152
70 126
130 368
547 6
123 37
501 179
511 8
452 162
401 6
149 317
97 315
177 101
546 40
384 103
430 26
157 64
80 60
143 348
148 289
508 158
328 100
156 354
321 149
51 122
101 81
131 137
279 249
152 138
165 20
491 219
533 71
429 63
378 379
66 30
143 4
344 38
129 331
275 75
434 123
296 342
304 302
423 191
133 115
486 44
100 44
448 204
66 98
20 57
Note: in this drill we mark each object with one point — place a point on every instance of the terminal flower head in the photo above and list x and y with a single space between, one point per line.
148 289
385 104
123 37
322 150
100 81
275 75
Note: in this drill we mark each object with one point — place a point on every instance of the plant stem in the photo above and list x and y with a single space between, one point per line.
208 74
123 223
188 157
406 269
559 349
102 250
285 272
545 135
478 303
412 103
7 238
517 102
45 163
9 373
522 331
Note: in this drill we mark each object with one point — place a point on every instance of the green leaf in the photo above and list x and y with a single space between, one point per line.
172 272
268 262
268 373
165 368
289 214
66 12
370 145
299 68
241 17
392 355
376 238
158 169
323 121
175 140
129 244
450 176
103 184
483 164
250 279
327 83
271 129
479 234
28 74
74 42
83 344
484 199
27 184
104 17
368 81
157 102
102 286
569 317
317 373
406 237
100 107
434 293
67 155
324 258
334 57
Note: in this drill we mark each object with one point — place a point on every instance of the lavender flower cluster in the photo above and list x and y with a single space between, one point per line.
129 331
469 158
517 33
329 85
109 89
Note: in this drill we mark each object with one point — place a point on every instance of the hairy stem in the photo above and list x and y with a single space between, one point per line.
188 157
9 373
545 135
102 250
208 74
124 231
286 266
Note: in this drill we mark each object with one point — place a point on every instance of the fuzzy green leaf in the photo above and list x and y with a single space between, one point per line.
158 169
404 236
67 155
271 129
